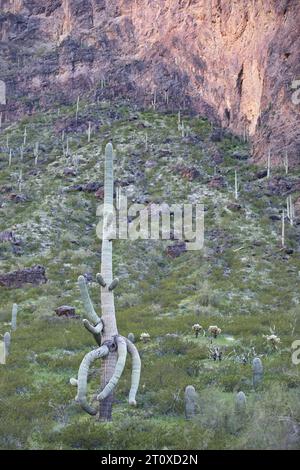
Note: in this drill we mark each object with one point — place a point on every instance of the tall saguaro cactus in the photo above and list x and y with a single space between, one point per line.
112 348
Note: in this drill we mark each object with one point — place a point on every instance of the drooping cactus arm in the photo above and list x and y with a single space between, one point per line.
114 284
136 371
122 353
88 359
100 280
91 314
95 330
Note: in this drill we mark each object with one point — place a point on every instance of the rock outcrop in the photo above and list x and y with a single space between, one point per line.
34 275
237 61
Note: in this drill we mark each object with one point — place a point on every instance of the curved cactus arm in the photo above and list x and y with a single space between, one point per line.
91 314
114 284
136 371
122 354
73 382
95 330
88 359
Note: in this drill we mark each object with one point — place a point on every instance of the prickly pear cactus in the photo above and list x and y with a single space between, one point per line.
190 402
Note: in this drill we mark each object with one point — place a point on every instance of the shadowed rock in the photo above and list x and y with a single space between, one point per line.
176 250
65 311
34 275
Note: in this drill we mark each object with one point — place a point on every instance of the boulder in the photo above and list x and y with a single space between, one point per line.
234 206
190 173
217 182
65 311
240 154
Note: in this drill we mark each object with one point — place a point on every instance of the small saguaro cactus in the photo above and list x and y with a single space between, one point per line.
6 339
20 181
236 185
14 314
112 347
154 99
290 210
214 330
257 372
190 402
269 163
283 229
286 162
77 108
36 153
240 402
179 121
240 408
167 97
25 136
2 352
197 328
131 337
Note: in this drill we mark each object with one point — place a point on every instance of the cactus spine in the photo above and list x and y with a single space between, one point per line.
14 314
258 372
112 347
190 401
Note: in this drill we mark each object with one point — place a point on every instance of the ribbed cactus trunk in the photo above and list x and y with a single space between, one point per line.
107 297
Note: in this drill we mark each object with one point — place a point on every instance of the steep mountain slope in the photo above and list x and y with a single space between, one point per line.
233 61
242 280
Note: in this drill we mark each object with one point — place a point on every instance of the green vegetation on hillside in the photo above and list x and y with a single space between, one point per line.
241 281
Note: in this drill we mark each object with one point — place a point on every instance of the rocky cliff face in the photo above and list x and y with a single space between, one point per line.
233 61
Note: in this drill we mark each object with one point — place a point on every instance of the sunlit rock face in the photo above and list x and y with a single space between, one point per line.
234 61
